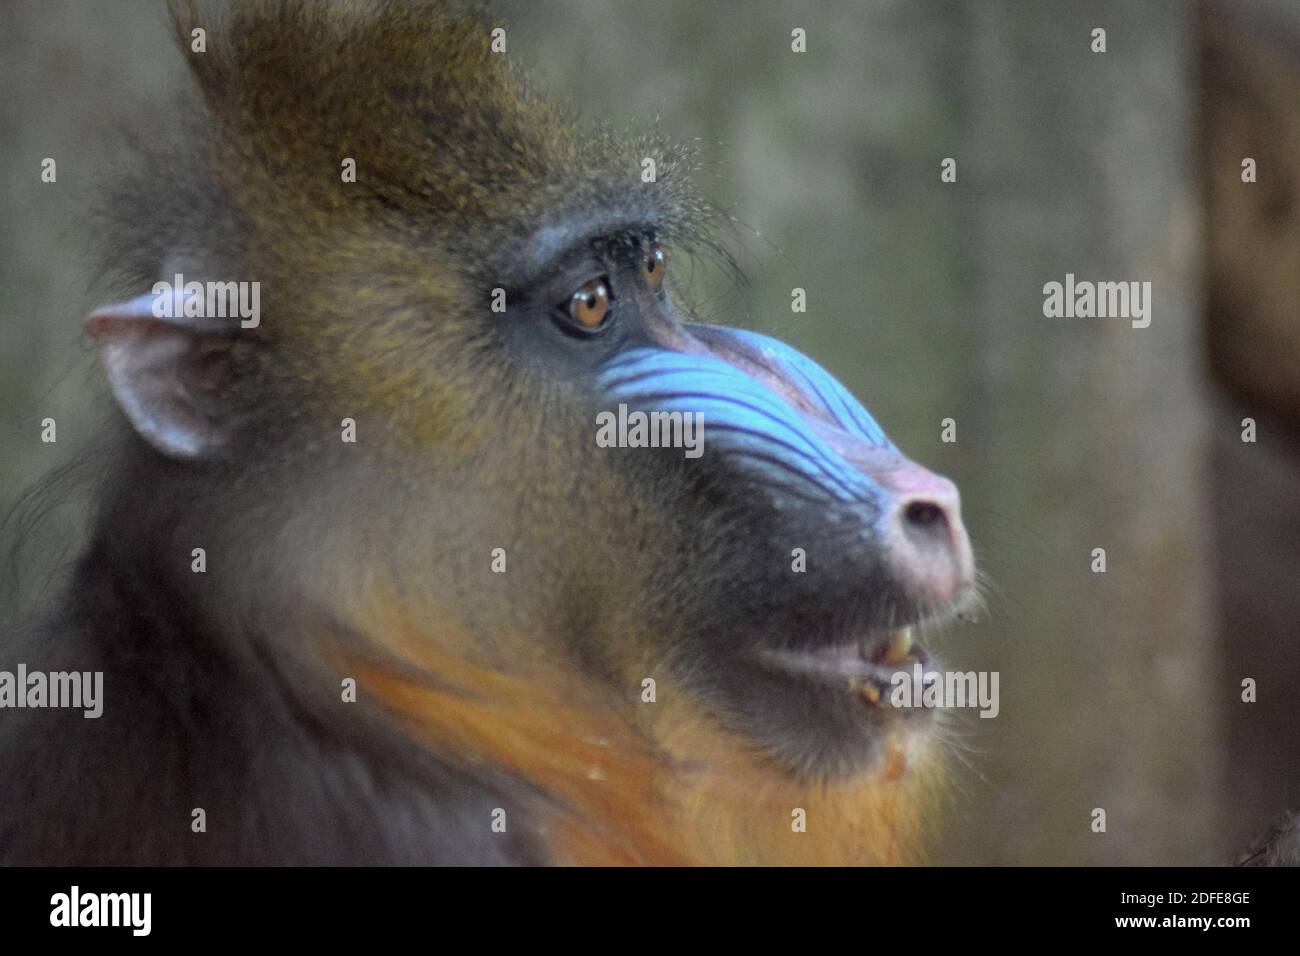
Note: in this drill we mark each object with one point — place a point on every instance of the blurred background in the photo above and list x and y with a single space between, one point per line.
1120 690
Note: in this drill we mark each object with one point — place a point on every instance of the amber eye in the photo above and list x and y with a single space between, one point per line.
653 267
589 306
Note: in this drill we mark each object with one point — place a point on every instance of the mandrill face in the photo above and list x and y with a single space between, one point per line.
771 548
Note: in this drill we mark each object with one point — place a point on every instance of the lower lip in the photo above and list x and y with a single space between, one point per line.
869 678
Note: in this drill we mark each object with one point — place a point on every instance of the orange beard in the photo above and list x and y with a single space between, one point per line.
626 782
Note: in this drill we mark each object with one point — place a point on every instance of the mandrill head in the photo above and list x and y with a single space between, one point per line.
658 573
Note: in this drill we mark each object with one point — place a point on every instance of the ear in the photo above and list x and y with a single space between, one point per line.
168 373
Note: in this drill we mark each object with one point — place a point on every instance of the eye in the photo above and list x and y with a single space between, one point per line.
589 306
653 267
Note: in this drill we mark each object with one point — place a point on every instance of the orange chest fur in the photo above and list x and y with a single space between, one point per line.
677 791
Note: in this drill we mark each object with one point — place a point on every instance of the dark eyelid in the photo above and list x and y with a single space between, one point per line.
591 257
560 283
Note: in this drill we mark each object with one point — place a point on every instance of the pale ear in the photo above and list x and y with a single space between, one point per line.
168 374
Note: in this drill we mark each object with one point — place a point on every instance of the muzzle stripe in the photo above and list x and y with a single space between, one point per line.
746 416
837 401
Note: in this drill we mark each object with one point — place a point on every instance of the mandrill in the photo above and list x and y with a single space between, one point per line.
362 583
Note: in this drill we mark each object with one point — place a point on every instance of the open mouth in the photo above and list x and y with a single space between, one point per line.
865 667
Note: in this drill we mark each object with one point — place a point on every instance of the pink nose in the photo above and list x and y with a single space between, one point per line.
925 540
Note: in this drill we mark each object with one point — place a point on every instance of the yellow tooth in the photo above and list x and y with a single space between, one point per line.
870 692
899 646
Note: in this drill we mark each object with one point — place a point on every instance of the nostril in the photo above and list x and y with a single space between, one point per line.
927 523
925 513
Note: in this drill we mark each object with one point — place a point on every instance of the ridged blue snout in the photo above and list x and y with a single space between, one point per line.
770 411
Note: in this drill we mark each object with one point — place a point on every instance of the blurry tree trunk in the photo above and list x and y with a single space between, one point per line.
1088 433
1250 107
